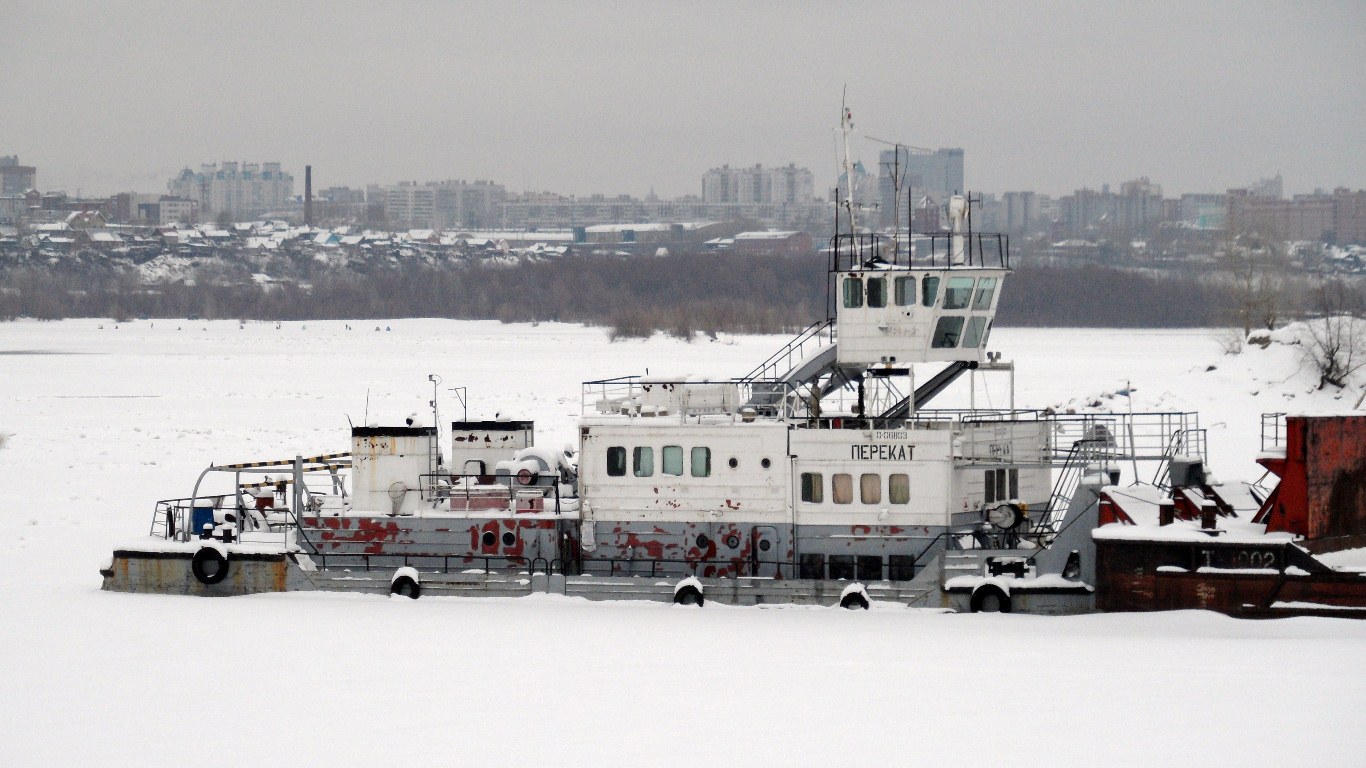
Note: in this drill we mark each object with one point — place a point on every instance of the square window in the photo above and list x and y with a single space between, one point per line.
643 460
986 290
946 332
673 460
870 488
842 566
903 290
870 568
900 567
976 330
1014 484
842 488
813 486
989 486
853 293
929 291
701 462
958 293
877 292
812 566
616 461
899 489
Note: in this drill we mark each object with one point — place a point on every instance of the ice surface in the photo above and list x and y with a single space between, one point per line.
104 422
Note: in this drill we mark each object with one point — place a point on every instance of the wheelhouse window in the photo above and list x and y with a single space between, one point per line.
870 488
701 462
616 461
986 290
853 293
903 291
929 291
842 488
673 460
958 293
946 332
877 292
899 488
977 328
1001 485
813 486
643 462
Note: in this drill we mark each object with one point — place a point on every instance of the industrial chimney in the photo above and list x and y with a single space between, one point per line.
308 195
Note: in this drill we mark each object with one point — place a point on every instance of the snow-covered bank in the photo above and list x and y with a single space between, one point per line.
101 422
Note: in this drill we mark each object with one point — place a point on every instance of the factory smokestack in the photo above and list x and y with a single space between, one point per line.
308 195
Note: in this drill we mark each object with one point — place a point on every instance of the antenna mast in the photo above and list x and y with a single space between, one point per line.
846 126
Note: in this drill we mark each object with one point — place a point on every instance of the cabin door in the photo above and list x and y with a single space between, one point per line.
764 553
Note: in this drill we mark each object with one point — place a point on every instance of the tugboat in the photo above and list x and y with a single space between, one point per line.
823 476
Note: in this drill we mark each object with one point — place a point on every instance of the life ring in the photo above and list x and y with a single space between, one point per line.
209 566
989 598
407 586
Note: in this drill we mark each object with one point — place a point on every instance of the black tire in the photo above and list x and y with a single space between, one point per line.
209 566
689 595
989 598
854 601
406 586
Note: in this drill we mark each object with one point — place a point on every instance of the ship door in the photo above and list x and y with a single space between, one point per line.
765 557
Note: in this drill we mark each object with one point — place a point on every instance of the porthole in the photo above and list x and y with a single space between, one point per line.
733 541
765 545
702 541
765 463
509 538
734 462
488 539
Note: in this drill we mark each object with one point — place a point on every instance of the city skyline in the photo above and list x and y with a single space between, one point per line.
618 99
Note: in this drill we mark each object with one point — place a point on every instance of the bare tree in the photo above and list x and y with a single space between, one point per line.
1257 263
1336 347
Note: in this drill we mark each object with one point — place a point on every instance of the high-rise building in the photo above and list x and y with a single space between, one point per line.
237 190
16 179
758 185
917 174
451 204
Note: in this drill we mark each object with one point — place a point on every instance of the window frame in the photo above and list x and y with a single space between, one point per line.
675 451
899 485
706 461
845 494
643 461
813 488
853 296
870 488
900 295
877 297
617 453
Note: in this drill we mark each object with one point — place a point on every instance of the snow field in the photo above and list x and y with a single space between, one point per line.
106 421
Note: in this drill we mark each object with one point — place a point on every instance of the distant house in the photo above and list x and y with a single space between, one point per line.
773 243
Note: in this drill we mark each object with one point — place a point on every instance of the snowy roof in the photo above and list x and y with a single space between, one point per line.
767 235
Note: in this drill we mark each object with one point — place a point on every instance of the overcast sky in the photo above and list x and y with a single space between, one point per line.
626 97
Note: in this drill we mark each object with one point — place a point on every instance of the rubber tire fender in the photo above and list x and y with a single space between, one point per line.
404 585
689 595
200 564
854 601
980 595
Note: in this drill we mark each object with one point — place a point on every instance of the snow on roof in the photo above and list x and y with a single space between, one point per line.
631 227
103 236
765 235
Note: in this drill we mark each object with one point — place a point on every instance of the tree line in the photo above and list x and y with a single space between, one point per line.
681 293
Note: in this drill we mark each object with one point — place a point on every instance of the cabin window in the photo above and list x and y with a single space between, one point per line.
1001 485
877 292
986 290
903 291
958 293
870 488
701 462
812 566
643 461
977 328
842 488
900 567
813 486
899 489
616 461
673 460
929 291
870 568
841 566
853 293
946 332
